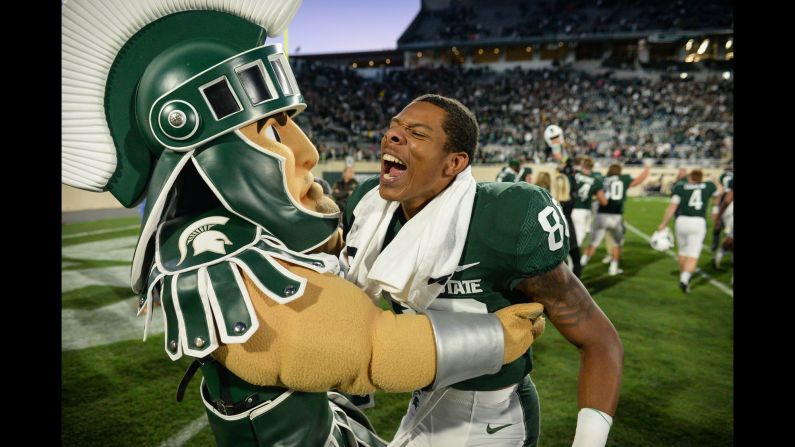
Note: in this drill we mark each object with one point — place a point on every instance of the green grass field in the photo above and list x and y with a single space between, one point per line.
677 387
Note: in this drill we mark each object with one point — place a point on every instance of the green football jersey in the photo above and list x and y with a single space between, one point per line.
694 198
587 185
516 231
615 188
525 171
678 183
727 180
506 175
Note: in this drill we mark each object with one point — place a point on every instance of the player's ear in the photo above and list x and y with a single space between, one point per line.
456 162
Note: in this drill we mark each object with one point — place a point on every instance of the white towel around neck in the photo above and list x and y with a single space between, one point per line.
428 246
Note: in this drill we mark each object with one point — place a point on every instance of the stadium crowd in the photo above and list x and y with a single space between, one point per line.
603 117
463 22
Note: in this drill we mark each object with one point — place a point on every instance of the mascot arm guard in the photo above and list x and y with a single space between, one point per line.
335 337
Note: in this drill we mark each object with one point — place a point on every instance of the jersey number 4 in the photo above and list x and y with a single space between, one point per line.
555 228
695 200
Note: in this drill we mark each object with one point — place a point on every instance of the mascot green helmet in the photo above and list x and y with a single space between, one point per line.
159 88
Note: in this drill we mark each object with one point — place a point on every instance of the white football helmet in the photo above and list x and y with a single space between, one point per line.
662 240
553 131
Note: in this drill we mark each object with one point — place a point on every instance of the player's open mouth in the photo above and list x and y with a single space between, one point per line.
392 167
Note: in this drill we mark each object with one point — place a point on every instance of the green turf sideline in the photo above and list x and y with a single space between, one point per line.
94 297
670 253
122 395
106 325
78 227
96 232
188 432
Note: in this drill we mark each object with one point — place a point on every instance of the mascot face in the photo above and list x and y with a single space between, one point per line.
281 136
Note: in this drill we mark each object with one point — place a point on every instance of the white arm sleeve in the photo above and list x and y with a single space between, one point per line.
676 199
592 428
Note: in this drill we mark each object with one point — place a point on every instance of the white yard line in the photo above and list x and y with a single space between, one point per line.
722 287
188 432
92 233
116 276
81 328
116 249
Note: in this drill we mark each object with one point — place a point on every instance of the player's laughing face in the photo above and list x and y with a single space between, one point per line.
414 164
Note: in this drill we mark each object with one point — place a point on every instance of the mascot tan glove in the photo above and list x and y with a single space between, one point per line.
335 337
521 325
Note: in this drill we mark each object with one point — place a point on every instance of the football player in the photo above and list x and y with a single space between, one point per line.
727 181
610 217
427 236
689 201
509 173
587 186
726 219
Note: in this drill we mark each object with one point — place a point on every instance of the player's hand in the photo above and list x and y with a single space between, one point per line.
521 325
661 227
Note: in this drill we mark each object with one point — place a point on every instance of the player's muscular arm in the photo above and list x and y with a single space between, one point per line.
600 197
639 179
574 313
726 201
669 212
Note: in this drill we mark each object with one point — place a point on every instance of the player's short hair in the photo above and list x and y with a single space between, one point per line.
696 175
614 169
578 160
587 162
460 124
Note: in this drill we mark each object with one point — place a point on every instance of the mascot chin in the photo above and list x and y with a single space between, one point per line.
182 102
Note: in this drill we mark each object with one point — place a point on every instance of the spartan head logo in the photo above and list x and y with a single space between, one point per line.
203 238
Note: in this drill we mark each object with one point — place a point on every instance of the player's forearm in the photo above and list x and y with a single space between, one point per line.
600 197
726 201
641 177
669 212
599 381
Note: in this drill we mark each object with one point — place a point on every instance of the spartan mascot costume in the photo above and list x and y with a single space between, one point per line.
182 103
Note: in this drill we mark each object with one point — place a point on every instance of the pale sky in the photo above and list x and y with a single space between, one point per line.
343 26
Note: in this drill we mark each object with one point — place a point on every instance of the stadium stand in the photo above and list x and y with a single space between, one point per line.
475 21
604 117
626 80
